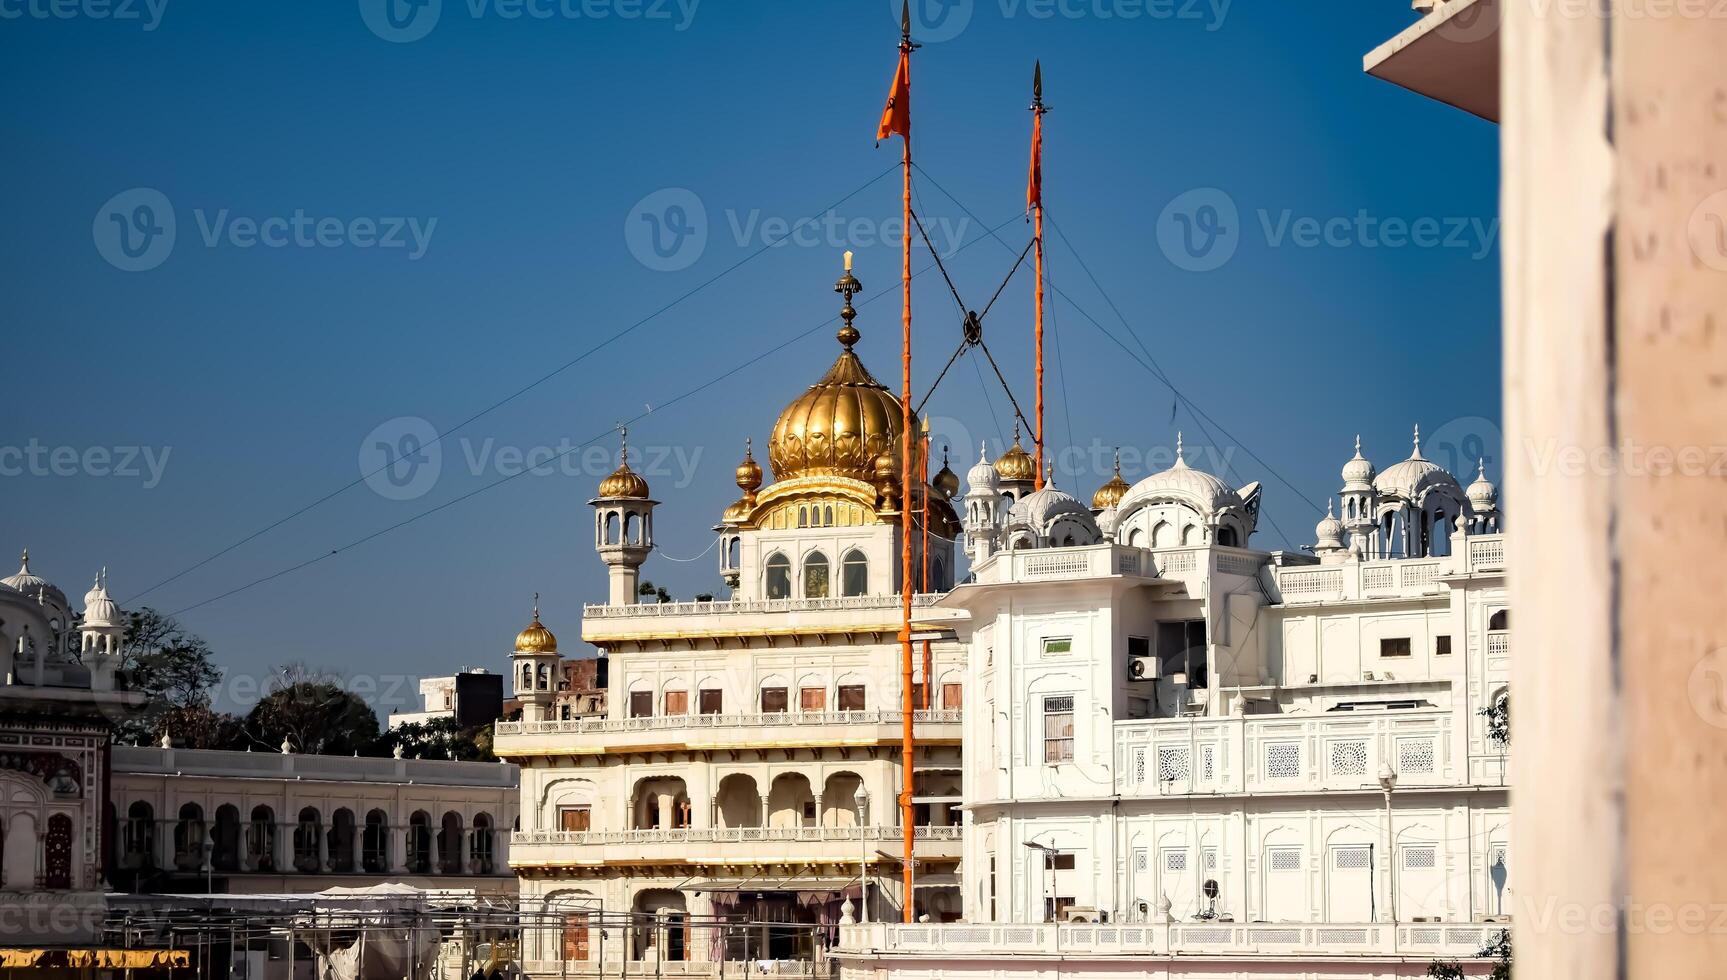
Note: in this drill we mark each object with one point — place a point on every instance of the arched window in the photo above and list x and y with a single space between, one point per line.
545 677
611 527
307 830
450 843
480 852
734 552
803 517
1135 538
779 578
189 838
340 841
420 843
261 839
1226 537
827 517
632 529
375 846
140 836
527 677
937 574
225 837
854 573
1500 620
816 576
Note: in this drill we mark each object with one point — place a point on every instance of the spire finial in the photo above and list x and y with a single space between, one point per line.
1179 458
749 447
1416 453
905 23
1016 433
24 562
1118 461
1328 507
1358 444
624 446
536 607
1481 467
1049 475
944 455
983 450
1037 105
848 286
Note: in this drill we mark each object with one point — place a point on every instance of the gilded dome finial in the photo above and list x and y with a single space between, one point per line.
623 481
848 286
1111 493
1016 465
749 472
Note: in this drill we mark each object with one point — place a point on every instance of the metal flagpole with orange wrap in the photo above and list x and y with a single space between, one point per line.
896 118
1034 203
923 551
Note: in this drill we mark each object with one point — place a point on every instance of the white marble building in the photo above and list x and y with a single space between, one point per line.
1182 746
749 764
58 701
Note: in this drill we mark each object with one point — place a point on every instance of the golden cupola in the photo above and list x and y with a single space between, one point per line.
1110 493
946 480
536 638
1016 465
624 483
844 421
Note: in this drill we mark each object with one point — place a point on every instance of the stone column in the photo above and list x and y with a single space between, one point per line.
664 804
818 810
764 811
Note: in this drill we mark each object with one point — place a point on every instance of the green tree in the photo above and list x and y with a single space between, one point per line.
167 663
314 713
1497 949
439 738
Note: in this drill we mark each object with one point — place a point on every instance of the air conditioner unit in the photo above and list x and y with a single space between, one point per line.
1143 669
1081 915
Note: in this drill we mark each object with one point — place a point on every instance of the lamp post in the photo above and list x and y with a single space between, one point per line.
1043 878
1387 783
863 854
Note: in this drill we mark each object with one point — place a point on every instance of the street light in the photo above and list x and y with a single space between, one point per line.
1043 879
863 855
1387 783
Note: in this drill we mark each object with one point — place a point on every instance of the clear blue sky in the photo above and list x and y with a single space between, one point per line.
262 370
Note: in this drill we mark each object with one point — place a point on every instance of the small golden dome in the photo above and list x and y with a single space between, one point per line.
536 638
840 425
1110 493
1016 465
946 481
749 472
624 482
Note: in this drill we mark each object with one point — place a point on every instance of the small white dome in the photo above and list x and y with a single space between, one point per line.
99 609
1413 477
1328 533
1358 473
1482 493
1201 490
33 585
1040 508
982 477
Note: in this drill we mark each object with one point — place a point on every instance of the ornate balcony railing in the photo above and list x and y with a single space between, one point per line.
724 835
777 719
961 940
739 607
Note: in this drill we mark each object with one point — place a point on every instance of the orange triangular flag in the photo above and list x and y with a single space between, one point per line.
1034 180
896 117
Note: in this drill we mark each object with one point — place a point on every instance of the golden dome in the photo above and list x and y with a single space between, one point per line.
624 482
536 638
1110 493
749 471
1016 465
946 480
839 426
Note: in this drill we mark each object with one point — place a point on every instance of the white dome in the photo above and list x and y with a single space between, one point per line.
1040 508
1198 489
1482 493
982 477
99 609
1358 473
33 585
1329 531
1413 477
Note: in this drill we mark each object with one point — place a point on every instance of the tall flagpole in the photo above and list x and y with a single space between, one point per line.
1034 199
923 551
896 118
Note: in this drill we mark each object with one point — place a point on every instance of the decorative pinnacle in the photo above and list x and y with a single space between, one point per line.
848 286
1416 453
624 446
1049 475
1358 444
1037 105
1481 467
1178 451
905 41
983 450
536 607
1118 461
749 447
